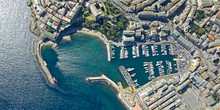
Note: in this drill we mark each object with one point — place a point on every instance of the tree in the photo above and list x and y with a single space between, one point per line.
201 31
216 97
200 15
84 10
190 85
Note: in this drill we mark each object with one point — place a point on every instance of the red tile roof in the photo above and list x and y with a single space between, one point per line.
211 37
56 23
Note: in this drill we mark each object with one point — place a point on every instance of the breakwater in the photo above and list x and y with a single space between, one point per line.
43 65
105 79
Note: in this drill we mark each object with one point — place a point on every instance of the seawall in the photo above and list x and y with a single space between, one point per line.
43 65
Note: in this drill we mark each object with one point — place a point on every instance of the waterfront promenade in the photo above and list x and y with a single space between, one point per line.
43 65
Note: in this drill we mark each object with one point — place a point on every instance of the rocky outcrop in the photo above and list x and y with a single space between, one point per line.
29 2
34 28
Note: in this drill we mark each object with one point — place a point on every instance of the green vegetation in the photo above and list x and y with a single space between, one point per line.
84 10
86 14
197 30
51 30
216 97
51 21
199 15
190 85
111 9
209 15
112 32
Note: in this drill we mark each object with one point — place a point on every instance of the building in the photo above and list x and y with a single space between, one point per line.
128 39
210 36
196 63
205 75
183 85
206 92
211 50
198 80
153 34
205 44
215 58
132 25
148 15
194 38
173 10
148 91
95 12
205 3
39 10
185 43
138 34
140 6
210 100
175 34
37 2
216 87
214 44
128 33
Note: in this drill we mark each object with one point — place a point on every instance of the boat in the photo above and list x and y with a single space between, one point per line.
135 80
149 78
54 79
153 77
130 69
133 75
145 64
145 67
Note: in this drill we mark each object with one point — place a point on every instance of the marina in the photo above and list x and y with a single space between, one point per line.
144 63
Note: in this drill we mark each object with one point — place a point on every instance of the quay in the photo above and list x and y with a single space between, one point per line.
127 76
43 65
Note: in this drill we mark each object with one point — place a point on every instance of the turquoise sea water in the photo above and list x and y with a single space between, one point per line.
22 84
71 62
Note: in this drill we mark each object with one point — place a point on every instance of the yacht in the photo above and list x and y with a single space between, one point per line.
130 69
133 75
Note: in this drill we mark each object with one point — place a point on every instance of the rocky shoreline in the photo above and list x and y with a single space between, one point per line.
34 27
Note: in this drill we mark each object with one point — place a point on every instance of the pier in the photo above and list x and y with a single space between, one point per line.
103 78
109 51
127 76
43 65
